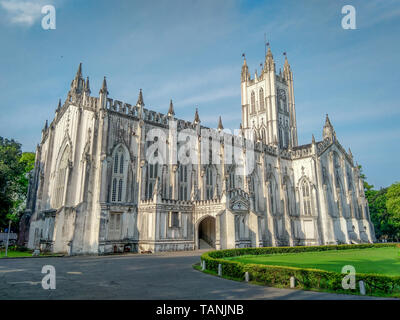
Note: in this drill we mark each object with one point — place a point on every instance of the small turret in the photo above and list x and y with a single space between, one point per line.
87 86
79 72
286 68
59 105
171 111
78 82
103 94
220 126
196 117
140 101
245 76
269 64
328 131
46 125
313 145
103 89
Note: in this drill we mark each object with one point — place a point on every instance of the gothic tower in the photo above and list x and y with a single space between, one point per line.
268 109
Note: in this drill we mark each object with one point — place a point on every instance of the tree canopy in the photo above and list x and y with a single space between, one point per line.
384 208
15 166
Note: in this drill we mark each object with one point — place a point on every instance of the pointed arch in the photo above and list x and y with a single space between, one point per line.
61 175
210 181
306 196
120 166
183 172
252 102
261 98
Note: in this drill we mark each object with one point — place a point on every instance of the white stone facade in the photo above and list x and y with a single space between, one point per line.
95 189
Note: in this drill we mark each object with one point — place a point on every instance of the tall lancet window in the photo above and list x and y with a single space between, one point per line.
118 180
272 196
209 183
183 182
152 174
60 179
253 102
306 192
261 98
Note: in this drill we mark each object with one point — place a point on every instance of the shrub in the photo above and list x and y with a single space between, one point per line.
305 278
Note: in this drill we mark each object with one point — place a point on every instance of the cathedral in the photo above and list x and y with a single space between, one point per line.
115 177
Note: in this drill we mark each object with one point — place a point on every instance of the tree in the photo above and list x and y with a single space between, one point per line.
384 208
14 169
393 199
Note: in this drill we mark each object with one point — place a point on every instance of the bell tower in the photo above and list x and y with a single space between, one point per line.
268 109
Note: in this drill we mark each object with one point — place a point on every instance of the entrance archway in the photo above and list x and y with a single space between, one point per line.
206 233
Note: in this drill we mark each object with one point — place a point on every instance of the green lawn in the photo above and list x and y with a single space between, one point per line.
372 260
13 254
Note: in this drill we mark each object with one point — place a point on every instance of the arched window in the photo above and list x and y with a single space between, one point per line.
209 183
306 192
60 179
253 102
118 180
114 190
286 137
183 182
281 138
152 174
261 98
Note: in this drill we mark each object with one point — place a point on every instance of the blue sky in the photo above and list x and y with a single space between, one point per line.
190 51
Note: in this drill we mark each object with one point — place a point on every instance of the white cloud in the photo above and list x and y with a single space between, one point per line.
24 13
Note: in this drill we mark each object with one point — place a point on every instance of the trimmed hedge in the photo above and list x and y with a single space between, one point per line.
305 278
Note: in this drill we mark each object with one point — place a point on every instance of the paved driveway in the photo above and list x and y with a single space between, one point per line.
157 276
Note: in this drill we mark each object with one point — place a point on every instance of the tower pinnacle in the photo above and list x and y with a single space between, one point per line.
196 117
220 126
103 89
171 111
328 130
140 98
269 61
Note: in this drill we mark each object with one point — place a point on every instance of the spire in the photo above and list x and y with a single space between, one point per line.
245 70
140 98
196 117
79 72
287 72
103 89
269 61
286 65
171 111
59 105
350 154
220 126
46 125
78 83
328 130
313 139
